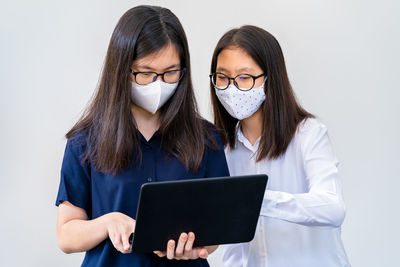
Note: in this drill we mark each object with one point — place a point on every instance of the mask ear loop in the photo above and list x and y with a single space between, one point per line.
265 79
263 84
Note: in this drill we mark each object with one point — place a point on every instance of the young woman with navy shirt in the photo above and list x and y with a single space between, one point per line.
141 126
266 131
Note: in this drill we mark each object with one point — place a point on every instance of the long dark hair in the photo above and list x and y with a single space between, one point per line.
280 111
112 135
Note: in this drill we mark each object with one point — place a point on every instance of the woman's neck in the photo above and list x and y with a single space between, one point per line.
251 127
147 123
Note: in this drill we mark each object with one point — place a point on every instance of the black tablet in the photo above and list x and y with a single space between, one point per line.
218 211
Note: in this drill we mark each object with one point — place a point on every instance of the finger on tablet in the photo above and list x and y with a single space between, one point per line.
181 245
203 253
125 242
189 242
160 253
171 249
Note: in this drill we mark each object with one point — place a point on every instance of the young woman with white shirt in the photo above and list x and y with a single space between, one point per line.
266 131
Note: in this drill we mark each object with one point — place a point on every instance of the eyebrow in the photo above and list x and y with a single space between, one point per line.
238 70
149 68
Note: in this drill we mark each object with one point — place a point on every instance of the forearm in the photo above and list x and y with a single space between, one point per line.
309 209
211 249
81 235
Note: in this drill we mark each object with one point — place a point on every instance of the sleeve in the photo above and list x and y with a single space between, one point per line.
323 204
216 160
75 178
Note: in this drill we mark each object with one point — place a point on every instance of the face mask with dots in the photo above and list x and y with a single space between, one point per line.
241 104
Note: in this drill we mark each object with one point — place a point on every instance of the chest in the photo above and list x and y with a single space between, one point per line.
285 173
121 192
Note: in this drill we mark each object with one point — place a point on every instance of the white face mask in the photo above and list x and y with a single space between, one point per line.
152 96
241 104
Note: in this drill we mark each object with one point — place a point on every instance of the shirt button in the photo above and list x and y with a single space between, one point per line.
149 179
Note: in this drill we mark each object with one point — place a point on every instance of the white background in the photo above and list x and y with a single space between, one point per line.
342 59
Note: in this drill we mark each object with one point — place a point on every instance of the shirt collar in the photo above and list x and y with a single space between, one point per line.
155 138
246 143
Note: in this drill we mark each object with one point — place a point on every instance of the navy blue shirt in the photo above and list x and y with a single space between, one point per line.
100 193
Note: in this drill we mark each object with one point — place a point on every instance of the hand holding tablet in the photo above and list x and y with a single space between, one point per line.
184 249
215 210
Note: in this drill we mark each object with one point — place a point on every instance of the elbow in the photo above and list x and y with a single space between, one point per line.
65 244
338 220
62 244
64 247
338 213
66 250
331 215
69 248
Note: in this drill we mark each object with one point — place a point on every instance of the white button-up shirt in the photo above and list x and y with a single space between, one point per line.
302 210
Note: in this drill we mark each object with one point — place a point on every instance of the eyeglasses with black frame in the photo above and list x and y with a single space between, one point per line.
243 82
171 76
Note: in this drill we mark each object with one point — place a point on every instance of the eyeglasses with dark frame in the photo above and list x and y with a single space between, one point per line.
243 82
171 76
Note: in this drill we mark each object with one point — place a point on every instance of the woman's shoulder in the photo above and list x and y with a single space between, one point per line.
75 151
309 125
77 143
309 131
211 132
208 127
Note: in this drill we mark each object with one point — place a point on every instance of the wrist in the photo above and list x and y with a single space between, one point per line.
104 222
211 249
